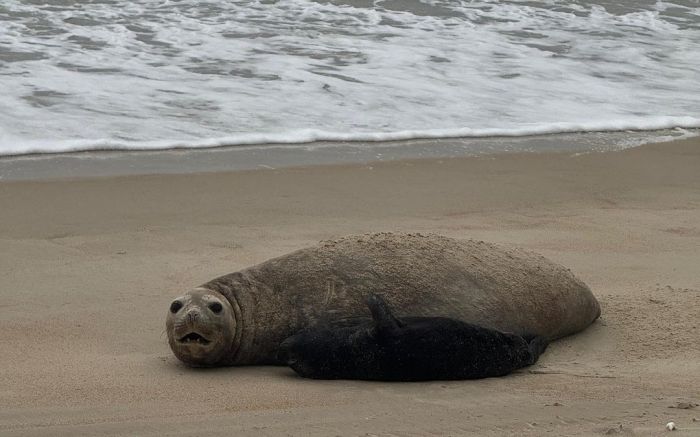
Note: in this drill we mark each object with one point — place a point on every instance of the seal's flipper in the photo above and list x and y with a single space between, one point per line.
381 313
537 345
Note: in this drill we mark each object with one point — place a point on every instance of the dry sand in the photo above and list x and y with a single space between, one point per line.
89 266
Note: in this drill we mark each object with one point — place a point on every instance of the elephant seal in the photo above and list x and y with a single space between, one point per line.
407 349
510 290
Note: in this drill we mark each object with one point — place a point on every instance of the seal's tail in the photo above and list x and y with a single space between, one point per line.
537 345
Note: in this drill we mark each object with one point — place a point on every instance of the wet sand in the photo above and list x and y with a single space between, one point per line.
88 267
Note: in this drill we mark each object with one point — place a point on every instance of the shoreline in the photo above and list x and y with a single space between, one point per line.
90 265
105 163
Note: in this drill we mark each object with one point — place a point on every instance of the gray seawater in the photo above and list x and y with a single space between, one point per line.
118 74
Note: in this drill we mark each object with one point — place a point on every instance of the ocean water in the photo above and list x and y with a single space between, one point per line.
151 74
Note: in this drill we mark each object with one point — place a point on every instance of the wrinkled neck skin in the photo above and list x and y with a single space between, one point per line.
254 341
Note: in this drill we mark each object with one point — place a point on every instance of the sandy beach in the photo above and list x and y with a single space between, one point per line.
88 267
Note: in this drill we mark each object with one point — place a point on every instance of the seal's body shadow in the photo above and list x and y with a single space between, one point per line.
407 349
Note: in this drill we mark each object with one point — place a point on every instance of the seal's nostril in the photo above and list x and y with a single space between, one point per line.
175 306
192 316
216 307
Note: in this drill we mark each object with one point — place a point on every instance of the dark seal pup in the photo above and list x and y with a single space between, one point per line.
408 349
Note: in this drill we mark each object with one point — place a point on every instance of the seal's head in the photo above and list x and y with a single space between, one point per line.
201 327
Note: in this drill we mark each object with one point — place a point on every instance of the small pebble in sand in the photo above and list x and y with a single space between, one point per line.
671 426
613 431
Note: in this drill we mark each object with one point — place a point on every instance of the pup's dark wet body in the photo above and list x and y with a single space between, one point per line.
407 349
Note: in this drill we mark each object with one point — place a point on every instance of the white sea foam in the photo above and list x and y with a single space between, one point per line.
192 73
19 147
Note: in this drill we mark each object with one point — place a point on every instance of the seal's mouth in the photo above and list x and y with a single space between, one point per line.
195 338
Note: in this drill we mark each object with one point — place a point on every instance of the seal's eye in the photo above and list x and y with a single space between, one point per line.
175 306
215 307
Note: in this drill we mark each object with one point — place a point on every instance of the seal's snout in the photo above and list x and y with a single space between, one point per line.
192 316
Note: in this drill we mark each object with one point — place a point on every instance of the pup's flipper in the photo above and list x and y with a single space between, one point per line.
537 345
381 313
